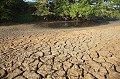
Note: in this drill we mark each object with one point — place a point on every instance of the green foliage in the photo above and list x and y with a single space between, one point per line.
74 10
60 9
81 9
42 8
24 18
9 9
5 12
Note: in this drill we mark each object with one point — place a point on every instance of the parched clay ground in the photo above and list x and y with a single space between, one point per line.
29 52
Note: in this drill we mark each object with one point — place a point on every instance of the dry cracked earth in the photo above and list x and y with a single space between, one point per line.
81 53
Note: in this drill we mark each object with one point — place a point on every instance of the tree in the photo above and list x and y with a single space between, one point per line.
42 9
10 8
5 10
62 8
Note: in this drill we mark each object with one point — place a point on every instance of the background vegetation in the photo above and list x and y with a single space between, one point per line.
20 11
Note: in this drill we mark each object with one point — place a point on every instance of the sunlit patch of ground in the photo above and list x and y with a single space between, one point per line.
29 52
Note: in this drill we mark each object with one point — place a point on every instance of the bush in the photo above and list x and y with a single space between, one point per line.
85 9
24 18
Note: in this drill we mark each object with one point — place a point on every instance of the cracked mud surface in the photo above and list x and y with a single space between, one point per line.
32 53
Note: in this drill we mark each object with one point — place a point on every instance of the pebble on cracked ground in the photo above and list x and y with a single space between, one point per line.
89 53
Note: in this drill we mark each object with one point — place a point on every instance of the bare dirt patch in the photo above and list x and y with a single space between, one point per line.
81 53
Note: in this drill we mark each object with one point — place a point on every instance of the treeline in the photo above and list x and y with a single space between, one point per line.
18 10
78 9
